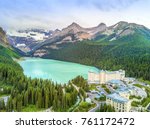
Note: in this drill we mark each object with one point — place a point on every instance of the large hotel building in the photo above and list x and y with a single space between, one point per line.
104 76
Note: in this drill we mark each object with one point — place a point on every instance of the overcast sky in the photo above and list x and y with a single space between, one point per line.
52 14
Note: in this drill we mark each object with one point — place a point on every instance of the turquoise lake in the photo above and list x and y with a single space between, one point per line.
57 71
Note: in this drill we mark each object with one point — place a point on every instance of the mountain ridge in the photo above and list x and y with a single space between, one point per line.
121 46
120 33
101 33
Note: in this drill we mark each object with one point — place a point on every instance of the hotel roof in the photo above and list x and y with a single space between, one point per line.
112 72
122 90
117 98
115 81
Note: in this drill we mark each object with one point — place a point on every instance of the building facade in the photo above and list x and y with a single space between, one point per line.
104 76
119 102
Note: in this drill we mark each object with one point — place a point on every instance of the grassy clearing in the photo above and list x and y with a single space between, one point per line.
85 107
134 97
146 100
93 87
144 81
106 89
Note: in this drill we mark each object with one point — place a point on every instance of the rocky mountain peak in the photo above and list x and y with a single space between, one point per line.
102 24
101 27
122 23
74 26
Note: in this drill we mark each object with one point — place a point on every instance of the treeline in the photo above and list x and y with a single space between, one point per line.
5 90
2 105
82 84
42 93
9 69
44 96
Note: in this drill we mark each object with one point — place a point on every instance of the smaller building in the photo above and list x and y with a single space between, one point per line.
94 92
124 92
88 100
116 83
129 79
137 91
120 103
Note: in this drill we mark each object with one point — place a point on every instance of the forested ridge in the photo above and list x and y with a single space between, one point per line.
131 53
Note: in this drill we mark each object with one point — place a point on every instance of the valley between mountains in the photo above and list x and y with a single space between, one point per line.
121 46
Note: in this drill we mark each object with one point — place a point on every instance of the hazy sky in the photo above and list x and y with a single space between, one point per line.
52 14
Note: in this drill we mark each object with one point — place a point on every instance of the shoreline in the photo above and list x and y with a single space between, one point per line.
20 59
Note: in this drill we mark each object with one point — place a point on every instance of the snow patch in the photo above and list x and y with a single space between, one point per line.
31 34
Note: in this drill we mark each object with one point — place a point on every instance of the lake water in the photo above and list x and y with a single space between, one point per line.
57 71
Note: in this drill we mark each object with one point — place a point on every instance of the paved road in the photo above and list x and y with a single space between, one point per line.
98 104
102 90
79 100
77 88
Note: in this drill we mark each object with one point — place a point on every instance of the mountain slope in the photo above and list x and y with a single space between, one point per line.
7 53
129 50
100 33
3 38
120 46
25 40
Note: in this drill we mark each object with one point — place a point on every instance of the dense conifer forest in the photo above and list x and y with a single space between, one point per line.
25 91
131 53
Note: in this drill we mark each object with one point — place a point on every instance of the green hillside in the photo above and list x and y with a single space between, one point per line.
8 67
131 53
6 58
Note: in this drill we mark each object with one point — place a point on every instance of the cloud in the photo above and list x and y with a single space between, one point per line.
59 13
109 5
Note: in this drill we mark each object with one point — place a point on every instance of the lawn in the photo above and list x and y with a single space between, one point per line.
106 89
93 87
133 96
146 100
135 103
147 82
85 107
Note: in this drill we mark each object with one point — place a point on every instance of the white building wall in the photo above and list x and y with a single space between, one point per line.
93 77
104 76
119 107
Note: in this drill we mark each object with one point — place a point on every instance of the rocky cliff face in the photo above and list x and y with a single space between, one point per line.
26 39
3 38
79 32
